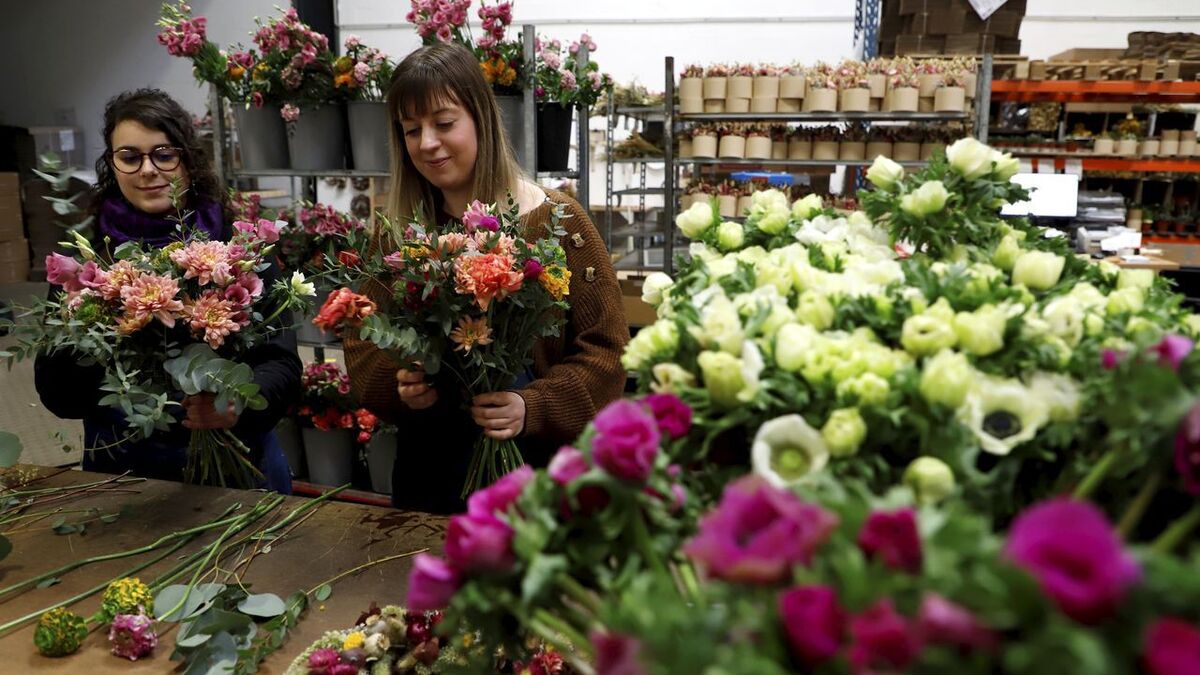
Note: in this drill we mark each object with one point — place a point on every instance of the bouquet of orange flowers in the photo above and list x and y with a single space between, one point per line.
470 298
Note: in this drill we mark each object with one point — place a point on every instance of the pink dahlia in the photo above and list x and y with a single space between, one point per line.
151 296
213 315
121 274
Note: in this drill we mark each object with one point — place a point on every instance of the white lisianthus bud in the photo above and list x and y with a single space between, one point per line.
653 287
1006 253
1007 166
970 158
696 220
1039 270
1142 279
1122 300
302 288
885 173
730 236
929 198
930 479
807 207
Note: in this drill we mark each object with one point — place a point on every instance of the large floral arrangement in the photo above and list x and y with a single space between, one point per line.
500 57
559 78
186 36
169 322
470 300
327 404
364 71
297 65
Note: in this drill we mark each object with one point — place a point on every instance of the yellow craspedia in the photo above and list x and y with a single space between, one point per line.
59 632
354 640
556 279
124 596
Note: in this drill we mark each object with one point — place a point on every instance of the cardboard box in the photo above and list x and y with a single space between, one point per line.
15 249
950 22
970 43
13 271
1002 23
924 6
12 223
1089 54
920 44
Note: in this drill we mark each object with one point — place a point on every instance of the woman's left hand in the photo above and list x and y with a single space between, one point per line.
202 414
500 413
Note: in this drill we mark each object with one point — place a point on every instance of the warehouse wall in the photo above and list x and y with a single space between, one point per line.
64 58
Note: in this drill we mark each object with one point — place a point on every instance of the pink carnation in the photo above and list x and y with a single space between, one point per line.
567 465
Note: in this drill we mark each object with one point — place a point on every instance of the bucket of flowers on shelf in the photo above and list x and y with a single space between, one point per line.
746 199
903 93
969 68
741 86
696 191
879 142
691 82
929 73
906 143
877 74
364 73
822 94
766 89
1187 143
1104 144
1128 130
704 141
330 422
379 450
792 86
853 145
936 139
732 142
1169 145
799 145
304 245
758 141
1148 147
727 198
716 78
825 142
950 95
854 93
779 141
683 144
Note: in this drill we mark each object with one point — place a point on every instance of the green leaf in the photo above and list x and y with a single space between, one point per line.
110 517
541 574
47 583
265 605
167 599
10 449
323 592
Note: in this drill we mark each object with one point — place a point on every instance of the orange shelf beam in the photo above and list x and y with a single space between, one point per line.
1123 164
1096 90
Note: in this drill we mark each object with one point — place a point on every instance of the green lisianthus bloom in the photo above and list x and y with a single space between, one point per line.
844 432
930 479
946 379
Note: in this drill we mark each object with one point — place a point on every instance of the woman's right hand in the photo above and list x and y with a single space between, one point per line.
415 392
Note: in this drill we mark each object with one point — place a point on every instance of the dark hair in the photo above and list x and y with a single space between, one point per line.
156 110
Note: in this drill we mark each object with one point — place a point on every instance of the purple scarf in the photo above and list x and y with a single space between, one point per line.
121 222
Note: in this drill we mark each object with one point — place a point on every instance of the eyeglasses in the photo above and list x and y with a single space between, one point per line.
164 158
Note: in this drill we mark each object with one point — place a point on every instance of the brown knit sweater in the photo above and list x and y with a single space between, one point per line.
575 374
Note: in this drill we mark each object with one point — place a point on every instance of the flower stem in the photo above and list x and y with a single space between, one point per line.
582 596
1177 532
364 566
690 583
1135 510
557 625
641 536
1096 476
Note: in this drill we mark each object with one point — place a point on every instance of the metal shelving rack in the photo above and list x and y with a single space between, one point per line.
640 227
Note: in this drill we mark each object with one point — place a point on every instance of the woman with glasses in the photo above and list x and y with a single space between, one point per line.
152 146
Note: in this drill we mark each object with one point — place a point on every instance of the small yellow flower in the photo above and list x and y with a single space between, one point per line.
262 71
556 279
354 640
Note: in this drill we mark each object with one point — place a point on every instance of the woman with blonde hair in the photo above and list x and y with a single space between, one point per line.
449 148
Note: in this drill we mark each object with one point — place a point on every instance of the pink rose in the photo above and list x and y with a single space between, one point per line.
1076 557
617 654
626 441
63 271
497 497
431 584
892 537
1172 648
814 623
883 640
479 543
567 465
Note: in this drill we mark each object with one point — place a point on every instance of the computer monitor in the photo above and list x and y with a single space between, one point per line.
1052 195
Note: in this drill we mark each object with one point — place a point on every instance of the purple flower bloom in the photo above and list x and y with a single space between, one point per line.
883 639
533 269
431 584
321 660
617 654
1187 450
944 622
1109 358
479 543
344 669
1172 350
1172 648
674 417
489 223
567 465
626 441
814 623
892 537
1077 559
132 636
759 532
497 497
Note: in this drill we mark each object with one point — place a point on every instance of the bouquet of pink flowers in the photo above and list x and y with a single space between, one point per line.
470 298
326 402
169 322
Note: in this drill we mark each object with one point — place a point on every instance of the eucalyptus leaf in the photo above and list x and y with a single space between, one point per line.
265 605
47 583
323 592
167 599
110 517
10 449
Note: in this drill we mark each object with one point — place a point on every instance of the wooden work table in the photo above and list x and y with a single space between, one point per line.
336 538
